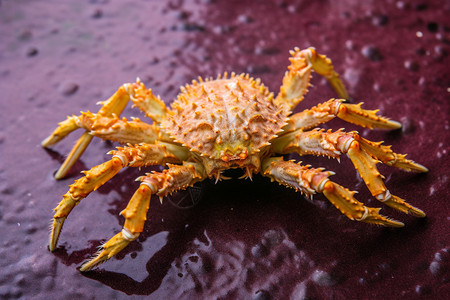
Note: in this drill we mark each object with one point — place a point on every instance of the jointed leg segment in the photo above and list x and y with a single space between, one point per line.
107 125
135 214
352 113
175 178
113 106
134 156
363 154
310 181
296 80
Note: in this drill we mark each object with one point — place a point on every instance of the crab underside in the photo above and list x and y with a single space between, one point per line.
224 123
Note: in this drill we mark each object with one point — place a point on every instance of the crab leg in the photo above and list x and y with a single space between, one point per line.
175 178
310 181
364 155
107 120
352 113
115 129
114 105
296 80
146 101
133 156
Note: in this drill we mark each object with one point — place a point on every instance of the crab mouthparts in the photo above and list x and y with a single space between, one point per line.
234 157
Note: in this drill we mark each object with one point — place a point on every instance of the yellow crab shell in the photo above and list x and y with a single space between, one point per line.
228 121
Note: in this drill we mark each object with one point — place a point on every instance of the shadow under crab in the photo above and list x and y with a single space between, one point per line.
231 122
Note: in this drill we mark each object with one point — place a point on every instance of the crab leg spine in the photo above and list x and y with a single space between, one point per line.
107 125
363 154
352 113
310 181
64 128
113 106
82 187
343 199
134 156
135 214
143 98
323 66
296 80
366 166
116 129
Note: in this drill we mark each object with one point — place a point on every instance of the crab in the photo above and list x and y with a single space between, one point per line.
224 123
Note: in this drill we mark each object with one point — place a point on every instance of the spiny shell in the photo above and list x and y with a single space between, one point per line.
226 116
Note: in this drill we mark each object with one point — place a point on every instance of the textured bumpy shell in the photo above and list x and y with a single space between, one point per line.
225 118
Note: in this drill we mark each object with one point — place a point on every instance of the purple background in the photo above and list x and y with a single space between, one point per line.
245 240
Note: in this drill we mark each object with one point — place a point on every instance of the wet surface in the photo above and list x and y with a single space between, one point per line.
244 240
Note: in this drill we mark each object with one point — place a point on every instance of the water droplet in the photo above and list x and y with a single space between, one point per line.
25 35
422 290
266 50
262 295
408 125
371 52
435 267
68 88
322 278
350 45
183 15
95 13
245 19
258 69
32 51
440 52
30 229
260 251
402 5
380 20
411 65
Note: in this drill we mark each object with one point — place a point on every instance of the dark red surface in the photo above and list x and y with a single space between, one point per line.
244 240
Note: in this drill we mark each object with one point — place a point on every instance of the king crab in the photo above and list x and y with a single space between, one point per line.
224 123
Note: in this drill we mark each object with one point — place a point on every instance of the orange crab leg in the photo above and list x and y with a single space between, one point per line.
135 213
173 179
366 166
118 130
363 154
133 156
296 80
114 105
310 181
352 113
106 123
